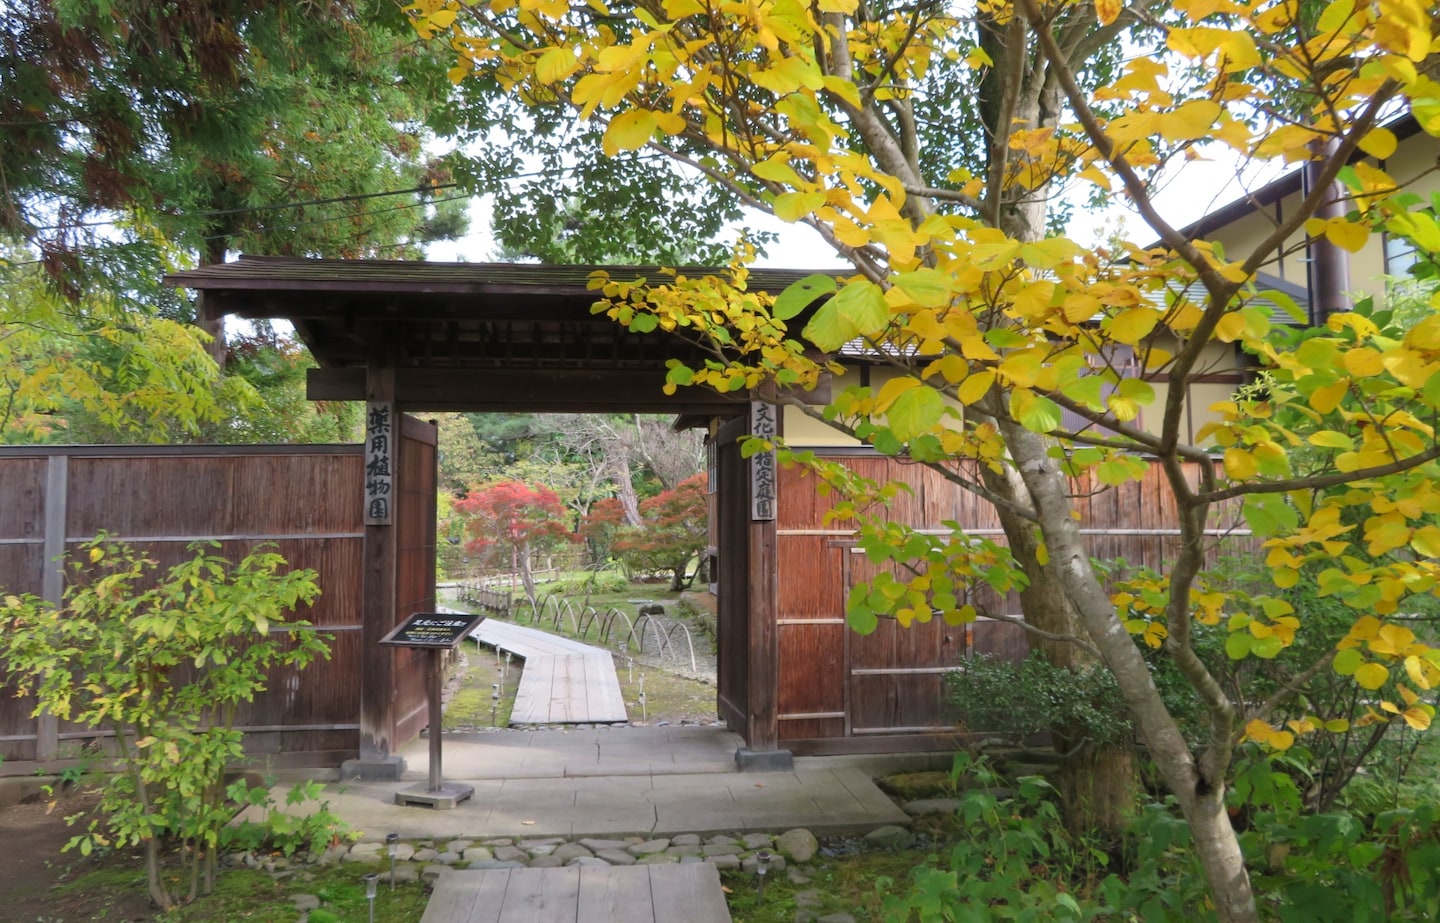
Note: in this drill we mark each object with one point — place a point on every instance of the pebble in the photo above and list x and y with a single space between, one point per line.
419 860
649 846
799 844
305 902
889 837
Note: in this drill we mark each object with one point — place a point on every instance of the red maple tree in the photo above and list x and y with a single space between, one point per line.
510 521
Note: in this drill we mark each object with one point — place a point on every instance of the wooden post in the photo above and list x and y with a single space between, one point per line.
764 653
762 731
377 663
52 584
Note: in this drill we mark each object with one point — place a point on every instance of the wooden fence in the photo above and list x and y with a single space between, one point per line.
303 500
834 683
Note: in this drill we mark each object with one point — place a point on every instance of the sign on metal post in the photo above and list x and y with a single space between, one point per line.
435 632
444 630
763 425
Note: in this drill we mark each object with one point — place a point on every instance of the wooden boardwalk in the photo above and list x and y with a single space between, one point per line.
688 893
564 681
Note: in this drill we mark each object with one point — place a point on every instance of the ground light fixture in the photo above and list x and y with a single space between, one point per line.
392 848
371 883
762 868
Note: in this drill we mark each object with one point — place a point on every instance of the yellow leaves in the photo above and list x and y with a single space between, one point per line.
975 386
1404 26
950 367
1379 143
1386 533
1190 121
1363 362
629 131
789 74
1132 326
1325 399
1196 42
1263 733
1230 328
1392 640
777 169
928 288
604 89
1341 232
792 206
1240 464
1422 672
679 9
1426 540
1107 11
556 64
1209 607
1050 252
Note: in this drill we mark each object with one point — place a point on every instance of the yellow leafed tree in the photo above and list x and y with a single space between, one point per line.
1000 333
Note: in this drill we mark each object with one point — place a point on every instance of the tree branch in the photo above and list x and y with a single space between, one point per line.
1321 481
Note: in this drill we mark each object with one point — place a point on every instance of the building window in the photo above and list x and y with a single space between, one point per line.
1400 255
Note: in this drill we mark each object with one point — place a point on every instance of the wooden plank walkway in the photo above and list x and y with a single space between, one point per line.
688 893
564 681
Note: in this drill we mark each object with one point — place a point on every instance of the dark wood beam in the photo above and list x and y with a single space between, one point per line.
532 390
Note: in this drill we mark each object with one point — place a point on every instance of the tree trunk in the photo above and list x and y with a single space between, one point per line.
527 576
1099 788
1201 797
213 253
625 488
1099 783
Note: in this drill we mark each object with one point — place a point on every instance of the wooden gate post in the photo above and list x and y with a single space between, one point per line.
377 663
762 731
52 584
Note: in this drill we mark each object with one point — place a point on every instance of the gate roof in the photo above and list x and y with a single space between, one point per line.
468 336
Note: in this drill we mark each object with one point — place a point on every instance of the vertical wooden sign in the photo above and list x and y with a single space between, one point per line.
380 435
763 425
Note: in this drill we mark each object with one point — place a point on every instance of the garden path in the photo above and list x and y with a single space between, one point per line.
563 682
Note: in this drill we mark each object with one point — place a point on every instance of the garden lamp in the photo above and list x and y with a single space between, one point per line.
371 882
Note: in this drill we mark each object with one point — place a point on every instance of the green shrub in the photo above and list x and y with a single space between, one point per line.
1018 699
163 661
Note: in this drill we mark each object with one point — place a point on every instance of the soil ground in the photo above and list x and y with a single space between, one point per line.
34 872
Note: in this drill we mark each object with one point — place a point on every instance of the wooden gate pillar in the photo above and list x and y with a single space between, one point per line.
377 663
762 725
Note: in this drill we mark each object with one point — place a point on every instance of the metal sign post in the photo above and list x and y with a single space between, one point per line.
436 632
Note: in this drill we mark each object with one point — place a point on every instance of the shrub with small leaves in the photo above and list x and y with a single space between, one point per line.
162 661
1019 699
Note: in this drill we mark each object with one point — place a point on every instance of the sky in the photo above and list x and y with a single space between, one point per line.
1198 187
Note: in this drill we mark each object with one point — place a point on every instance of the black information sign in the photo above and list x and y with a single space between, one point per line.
433 629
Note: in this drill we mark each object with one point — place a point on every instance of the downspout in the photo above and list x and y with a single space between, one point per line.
1327 271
